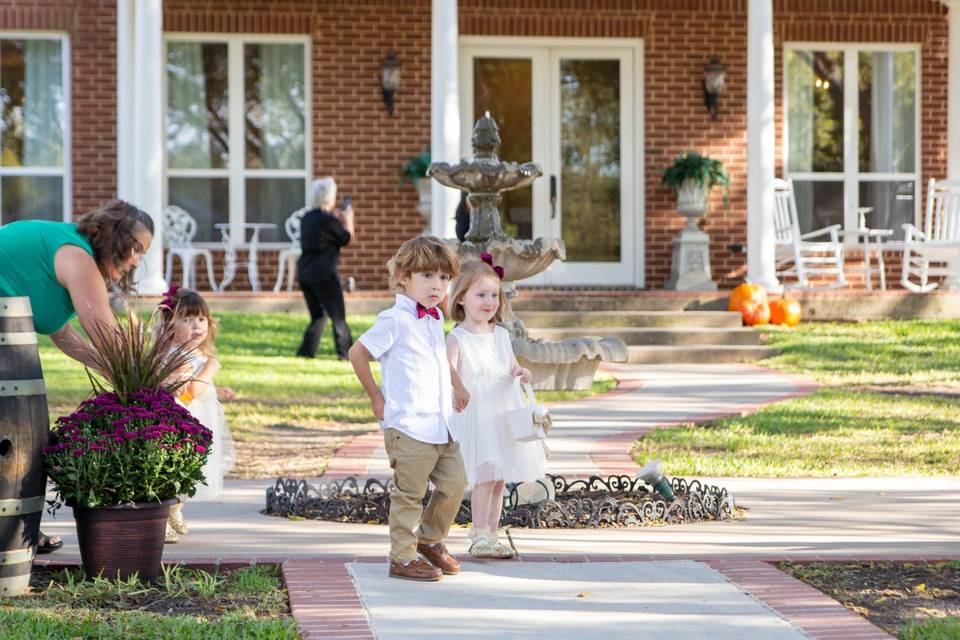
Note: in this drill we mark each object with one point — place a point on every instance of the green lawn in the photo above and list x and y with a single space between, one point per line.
888 407
291 413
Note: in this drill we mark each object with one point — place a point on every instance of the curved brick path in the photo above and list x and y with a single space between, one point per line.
594 436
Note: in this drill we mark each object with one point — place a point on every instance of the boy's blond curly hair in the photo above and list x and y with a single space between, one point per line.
419 255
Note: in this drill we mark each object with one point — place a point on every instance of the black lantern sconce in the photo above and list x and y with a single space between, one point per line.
714 77
389 79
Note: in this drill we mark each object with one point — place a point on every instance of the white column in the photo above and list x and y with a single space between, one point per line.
761 140
444 111
139 124
953 90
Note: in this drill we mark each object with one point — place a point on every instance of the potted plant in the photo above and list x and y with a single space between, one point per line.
122 458
692 176
415 171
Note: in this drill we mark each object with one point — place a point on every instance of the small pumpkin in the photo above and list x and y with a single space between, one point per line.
746 292
755 313
785 312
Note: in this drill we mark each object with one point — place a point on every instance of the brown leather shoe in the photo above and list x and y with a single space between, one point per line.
439 557
418 569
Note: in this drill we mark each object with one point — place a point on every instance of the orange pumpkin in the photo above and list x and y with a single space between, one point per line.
746 292
755 313
785 312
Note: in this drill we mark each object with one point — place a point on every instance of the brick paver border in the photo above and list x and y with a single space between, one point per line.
325 602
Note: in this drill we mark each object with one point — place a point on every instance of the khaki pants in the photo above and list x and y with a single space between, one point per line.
414 463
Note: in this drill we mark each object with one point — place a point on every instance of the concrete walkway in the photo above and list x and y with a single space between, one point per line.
335 571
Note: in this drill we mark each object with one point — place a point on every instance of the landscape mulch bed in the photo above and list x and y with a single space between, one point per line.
210 607
888 594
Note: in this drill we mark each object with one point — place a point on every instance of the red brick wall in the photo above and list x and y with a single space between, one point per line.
91 26
679 36
356 141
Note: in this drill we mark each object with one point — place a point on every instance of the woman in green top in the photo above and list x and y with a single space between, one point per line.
65 268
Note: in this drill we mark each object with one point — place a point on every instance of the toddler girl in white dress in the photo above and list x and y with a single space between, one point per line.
480 351
196 330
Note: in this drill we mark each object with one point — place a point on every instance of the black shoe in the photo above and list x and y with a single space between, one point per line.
48 544
304 355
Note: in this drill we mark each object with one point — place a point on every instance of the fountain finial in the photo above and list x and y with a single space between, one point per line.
486 138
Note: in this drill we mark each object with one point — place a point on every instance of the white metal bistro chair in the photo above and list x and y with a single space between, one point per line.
796 254
288 257
179 229
938 243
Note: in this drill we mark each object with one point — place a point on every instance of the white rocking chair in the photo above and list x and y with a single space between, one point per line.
288 257
179 229
796 254
939 242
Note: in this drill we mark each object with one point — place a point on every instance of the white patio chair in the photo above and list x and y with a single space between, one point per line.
939 242
796 254
179 229
288 257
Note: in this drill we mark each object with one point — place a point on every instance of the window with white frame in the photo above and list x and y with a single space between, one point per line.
237 130
851 134
34 145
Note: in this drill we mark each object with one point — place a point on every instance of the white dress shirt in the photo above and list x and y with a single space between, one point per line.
415 372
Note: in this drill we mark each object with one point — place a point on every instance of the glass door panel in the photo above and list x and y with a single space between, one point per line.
504 87
590 159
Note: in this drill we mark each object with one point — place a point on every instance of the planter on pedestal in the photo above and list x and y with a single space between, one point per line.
690 267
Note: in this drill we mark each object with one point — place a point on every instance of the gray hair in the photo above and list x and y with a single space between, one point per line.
323 193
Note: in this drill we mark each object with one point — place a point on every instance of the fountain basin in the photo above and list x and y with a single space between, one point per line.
567 365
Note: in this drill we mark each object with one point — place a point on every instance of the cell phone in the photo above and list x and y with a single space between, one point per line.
345 203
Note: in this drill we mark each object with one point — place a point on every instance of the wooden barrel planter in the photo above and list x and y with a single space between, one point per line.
24 429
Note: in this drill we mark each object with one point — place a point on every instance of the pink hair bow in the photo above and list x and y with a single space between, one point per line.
486 257
168 297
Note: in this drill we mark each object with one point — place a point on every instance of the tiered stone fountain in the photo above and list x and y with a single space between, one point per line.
567 364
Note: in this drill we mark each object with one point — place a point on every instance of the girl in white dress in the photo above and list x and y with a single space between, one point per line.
480 351
196 330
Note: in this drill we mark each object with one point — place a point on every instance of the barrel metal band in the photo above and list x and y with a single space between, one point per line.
16 556
15 307
22 387
21 506
18 338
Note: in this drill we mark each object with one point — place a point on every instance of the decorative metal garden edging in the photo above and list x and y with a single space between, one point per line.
617 501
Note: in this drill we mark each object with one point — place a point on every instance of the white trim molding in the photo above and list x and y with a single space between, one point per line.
444 111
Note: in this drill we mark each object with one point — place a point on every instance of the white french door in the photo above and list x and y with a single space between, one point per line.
576 110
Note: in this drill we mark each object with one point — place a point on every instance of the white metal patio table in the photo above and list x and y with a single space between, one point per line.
872 240
230 247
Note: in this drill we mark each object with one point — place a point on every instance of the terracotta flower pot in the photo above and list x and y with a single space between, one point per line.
122 540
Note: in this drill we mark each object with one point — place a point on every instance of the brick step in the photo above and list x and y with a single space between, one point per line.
658 335
624 319
698 354
626 301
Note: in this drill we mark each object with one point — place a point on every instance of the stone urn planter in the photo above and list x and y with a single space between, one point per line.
423 194
691 199
122 540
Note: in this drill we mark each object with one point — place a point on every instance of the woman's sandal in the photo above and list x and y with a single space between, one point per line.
48 544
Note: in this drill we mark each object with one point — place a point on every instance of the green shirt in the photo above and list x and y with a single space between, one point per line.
27 250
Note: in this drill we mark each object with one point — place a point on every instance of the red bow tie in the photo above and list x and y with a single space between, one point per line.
423 311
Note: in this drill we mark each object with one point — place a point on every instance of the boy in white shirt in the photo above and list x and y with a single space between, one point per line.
419 394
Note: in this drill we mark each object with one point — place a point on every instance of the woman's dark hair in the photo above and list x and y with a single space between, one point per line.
110 231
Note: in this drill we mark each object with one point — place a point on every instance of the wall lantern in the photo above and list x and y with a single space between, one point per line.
713 78
389 79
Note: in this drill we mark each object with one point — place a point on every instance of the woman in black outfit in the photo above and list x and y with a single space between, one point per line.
322 232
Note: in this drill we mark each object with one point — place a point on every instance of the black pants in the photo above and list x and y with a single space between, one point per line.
325 299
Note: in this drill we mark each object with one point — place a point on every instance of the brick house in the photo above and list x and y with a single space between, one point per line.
142 98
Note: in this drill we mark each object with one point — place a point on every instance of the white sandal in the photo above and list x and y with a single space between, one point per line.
503 552
482 548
